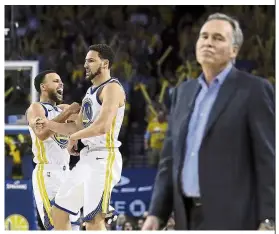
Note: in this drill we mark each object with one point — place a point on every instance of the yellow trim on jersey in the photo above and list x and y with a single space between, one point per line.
43 192
41 151
111 157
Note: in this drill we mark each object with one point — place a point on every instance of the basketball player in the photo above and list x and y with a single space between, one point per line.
90 183
50 150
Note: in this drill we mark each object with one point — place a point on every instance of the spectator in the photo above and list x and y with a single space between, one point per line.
120 222
128 226
154 138
139 224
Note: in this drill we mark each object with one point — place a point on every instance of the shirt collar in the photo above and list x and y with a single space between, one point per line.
220 78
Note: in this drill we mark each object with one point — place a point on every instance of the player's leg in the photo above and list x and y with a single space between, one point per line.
107 173
42 190
69 198
61 219
74 219
98 223
94 190
66 221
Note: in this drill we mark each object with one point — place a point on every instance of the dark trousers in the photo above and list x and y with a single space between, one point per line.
193 207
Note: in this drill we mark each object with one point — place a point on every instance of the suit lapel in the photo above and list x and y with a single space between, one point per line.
222 100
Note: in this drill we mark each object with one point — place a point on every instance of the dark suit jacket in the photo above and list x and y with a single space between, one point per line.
236 158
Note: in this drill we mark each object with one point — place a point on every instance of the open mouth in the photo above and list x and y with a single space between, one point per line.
60 92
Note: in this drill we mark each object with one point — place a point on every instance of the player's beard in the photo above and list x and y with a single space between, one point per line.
53 97
93 75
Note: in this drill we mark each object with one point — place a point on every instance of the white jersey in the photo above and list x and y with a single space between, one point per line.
91 106
53 150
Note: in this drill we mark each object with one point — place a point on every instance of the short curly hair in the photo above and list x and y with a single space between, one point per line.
40 79
105 52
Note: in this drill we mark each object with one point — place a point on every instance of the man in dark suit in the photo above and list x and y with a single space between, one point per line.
217 167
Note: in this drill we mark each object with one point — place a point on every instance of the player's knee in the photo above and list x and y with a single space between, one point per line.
97 223
95 226
99 218
54 213
58 215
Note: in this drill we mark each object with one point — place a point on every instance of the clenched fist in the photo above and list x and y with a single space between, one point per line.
41 123
74 108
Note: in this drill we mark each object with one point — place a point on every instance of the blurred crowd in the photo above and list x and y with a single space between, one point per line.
125 223
155 51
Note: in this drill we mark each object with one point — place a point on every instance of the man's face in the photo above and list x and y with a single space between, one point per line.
53 85
215 43
93 65
140 223
128 226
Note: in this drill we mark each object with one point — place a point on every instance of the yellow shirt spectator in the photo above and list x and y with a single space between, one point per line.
157 133
14 152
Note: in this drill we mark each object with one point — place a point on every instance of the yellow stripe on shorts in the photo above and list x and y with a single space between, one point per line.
43 192
111 157
40 160
41 151
112 161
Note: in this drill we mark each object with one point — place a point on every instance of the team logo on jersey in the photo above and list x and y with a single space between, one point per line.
87 112
61 140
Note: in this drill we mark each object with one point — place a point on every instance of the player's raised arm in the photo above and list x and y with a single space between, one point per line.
112 97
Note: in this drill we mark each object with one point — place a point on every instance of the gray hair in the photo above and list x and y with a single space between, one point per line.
237 32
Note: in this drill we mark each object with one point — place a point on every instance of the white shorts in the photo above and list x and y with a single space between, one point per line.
90 182
46 180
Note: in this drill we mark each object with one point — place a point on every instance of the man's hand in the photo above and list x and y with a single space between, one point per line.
41 123
73 137
151 223
73 147
265 227
74 108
